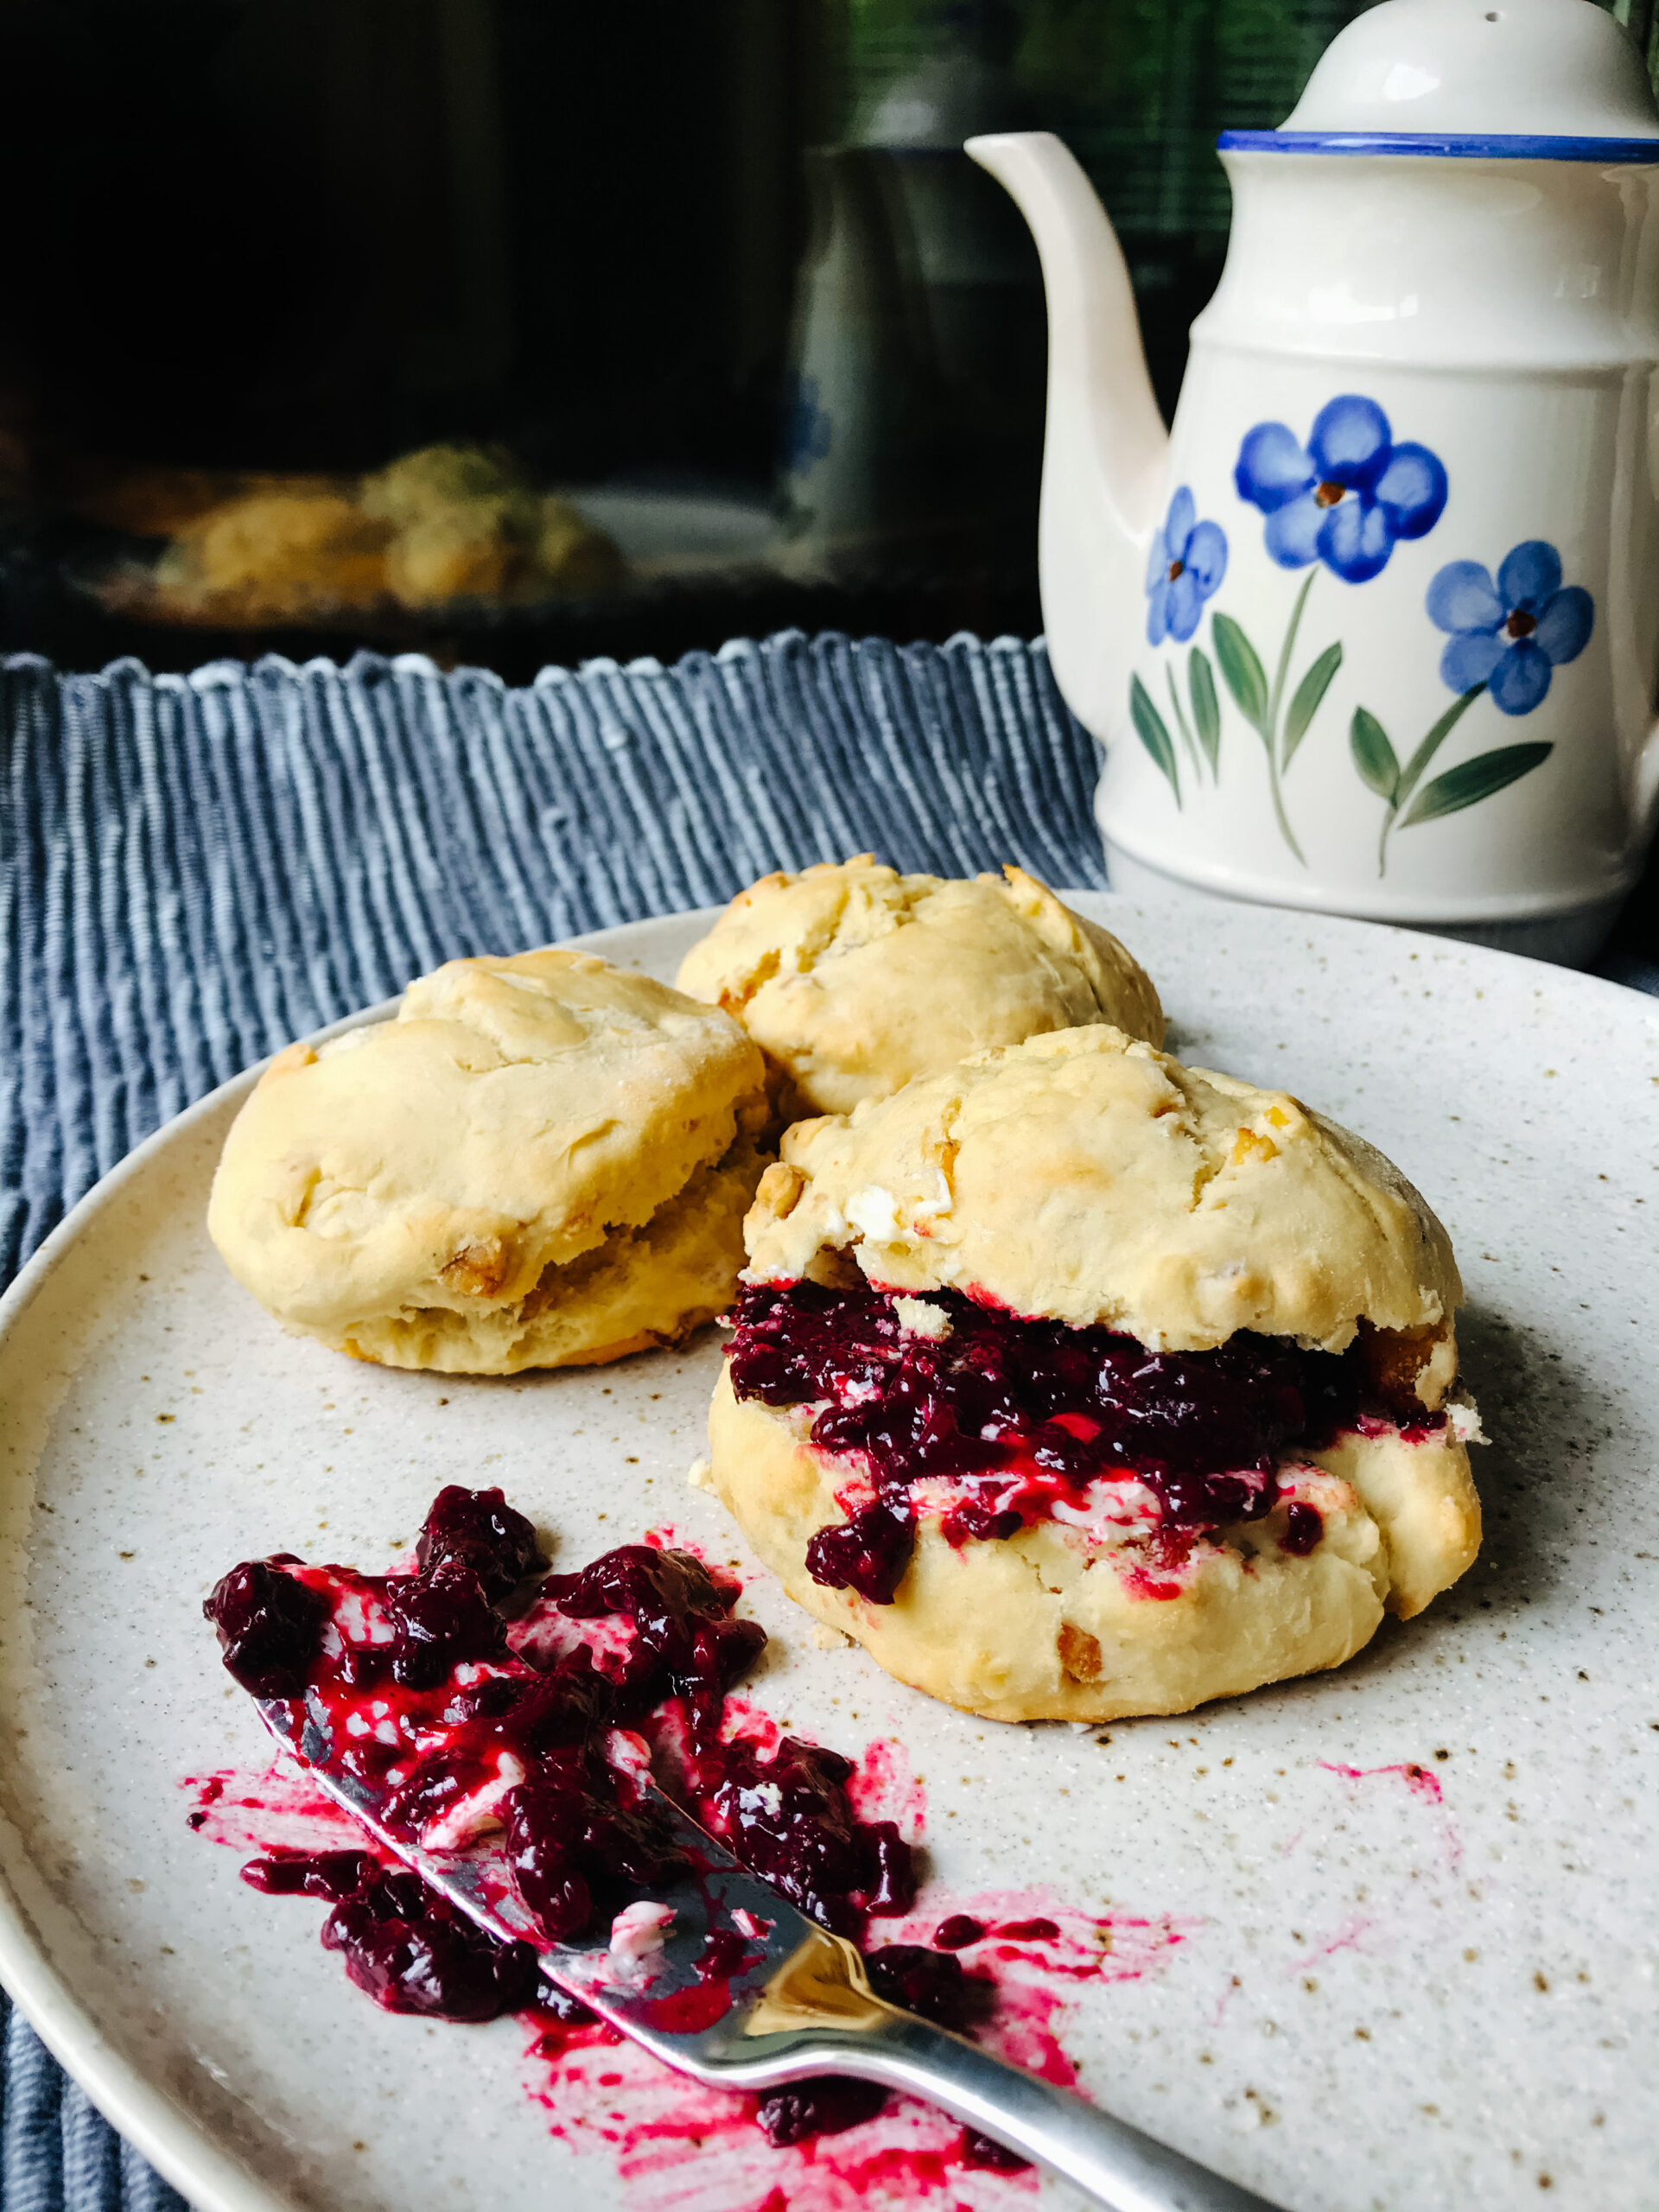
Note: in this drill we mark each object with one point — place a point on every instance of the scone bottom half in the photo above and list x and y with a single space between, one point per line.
542 1160
1098 1502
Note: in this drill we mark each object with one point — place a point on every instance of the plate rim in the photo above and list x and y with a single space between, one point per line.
185 2153
181 2145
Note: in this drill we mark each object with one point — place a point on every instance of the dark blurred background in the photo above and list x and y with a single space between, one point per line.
513 332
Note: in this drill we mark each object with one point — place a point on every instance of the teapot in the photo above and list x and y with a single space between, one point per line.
1374 628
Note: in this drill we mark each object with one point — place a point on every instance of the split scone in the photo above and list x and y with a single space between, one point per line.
853 980
542 1161
1075 1383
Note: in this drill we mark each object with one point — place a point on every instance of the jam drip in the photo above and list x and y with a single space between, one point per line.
1019 1414
410 1679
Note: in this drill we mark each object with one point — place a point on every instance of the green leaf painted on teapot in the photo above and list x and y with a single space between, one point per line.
1470 781
1242 672
1153 733
1306 703
1411 775
1374 756
1206 708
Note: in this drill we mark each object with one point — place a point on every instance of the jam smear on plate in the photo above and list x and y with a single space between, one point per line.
411 1680
1020 1416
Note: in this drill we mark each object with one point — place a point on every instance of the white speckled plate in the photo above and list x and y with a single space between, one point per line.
1392 1989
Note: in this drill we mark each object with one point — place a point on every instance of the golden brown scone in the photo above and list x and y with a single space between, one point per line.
1083 1179
855 980
543 1160
1086 1177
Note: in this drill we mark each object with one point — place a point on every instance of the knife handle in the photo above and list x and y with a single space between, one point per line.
1115 2163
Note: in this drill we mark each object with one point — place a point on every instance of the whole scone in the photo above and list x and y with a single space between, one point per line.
1075 1383
542 1161
853 980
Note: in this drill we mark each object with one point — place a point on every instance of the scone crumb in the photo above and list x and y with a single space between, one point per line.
829 1639
700 1475
918 1319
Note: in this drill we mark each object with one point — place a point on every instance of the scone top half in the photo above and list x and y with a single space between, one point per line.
854 979
541 1159
1112 1384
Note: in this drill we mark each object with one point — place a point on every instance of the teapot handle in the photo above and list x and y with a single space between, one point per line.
1647 787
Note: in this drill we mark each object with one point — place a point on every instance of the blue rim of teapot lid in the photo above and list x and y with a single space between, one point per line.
1454 146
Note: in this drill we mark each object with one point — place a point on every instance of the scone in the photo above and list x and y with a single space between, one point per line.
1075 1383
853 980
542 1161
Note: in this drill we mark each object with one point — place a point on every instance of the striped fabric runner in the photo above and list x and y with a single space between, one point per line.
193 869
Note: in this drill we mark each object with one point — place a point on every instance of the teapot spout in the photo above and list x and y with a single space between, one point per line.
1105 452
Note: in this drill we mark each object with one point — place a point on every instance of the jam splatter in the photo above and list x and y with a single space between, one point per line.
882 1787
1007 1422
1423 1783
546 1729
601 2093
1348 1938
279 1810
1420 1781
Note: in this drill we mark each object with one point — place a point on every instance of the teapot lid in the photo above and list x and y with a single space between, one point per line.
1549 79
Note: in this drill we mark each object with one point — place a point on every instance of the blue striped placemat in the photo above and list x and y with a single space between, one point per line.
195 868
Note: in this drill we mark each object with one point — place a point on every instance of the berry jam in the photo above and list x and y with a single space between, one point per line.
270 1626
1303 1529
1019 1416
479 1527
409 1684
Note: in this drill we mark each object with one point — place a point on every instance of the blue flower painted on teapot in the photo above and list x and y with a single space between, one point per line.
1348 496
1513 635
1343 500
1185 566
1507 640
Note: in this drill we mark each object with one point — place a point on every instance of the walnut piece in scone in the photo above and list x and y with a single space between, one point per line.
853 980
541 1161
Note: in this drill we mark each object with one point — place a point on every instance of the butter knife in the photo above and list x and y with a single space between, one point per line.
799 2004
